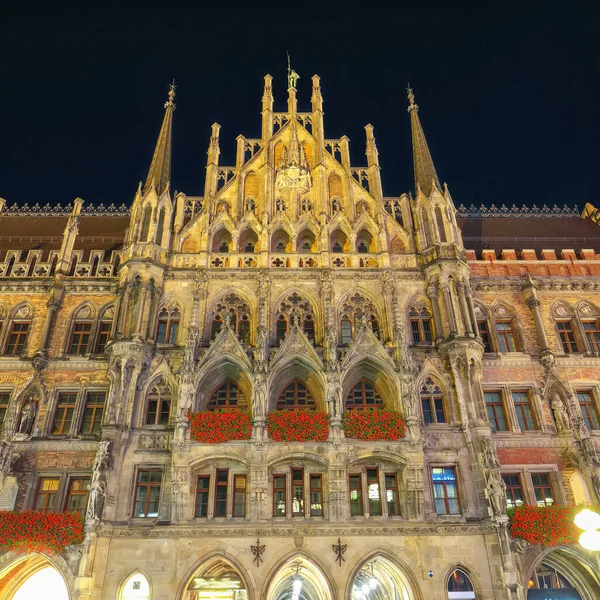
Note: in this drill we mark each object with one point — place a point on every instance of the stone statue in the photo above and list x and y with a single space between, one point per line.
280 205
97 487
306 205
27 416
560 414
186 397
336 205
497 493
490 458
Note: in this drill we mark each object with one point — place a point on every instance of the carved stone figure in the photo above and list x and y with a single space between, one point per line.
97 487
560 414
27 416
186 397
497 493
280 205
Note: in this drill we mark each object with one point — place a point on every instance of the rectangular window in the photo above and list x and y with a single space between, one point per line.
63 415
239 496
80 337
17 338
567 336
316 496
78 495
202 492
592 335
522 404
103 337
346 328
47 492
484 334
161 333
373 492
356 504
495 411
4 400
298 492
221 492
92 414
506 336
445 491
514 492
391 491
542 489
279 508
147 493
588 410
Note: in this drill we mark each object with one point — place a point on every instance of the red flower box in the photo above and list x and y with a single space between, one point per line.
298 426
34 531
220 426
546 525
373 424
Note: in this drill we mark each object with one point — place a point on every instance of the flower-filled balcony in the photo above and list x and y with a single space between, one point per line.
545 525
35 531
220 426
373 424
298 425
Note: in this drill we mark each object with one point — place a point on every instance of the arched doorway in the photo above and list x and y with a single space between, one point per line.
548 582
216 578
460 586
380 579
26 581
299 579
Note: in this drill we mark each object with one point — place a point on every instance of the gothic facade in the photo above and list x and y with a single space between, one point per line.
294 283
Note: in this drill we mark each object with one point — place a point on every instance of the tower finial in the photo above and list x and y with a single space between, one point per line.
292 75
169 102
411 99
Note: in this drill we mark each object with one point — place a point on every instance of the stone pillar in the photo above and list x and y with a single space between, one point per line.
449 308
141 304
534 305
464 309
115 324
469 295
435 307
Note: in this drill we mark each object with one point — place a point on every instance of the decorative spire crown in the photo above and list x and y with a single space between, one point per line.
292 76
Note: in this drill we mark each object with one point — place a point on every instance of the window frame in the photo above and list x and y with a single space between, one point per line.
493 406
96 408
172 324
318 490
358 489
568 346
241 402
5 398
592 336
504 335
396 491
65 407
83 492
82 347
99 346
518 406
550 485
279 490
202 490
364 382
235 491
137 484
587 417
488 346
294 483
431 396
219 485
445 484
159 406
295 406
420 320
11 331
510 488
47 494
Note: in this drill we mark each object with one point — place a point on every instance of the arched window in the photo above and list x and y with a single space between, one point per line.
432 402
440 224
221 241
364 241
363 395
228 394
355 310
280 241
460 586
248 241
426 227
295 395
590 321
160 227
566 328
136 588
159 404
506 330
81 328
104 328
483 325
168 325
338 241
306 241
235 310
45 583
146 218
420 324
295 307
18 332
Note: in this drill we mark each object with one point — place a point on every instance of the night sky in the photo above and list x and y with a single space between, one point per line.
508 93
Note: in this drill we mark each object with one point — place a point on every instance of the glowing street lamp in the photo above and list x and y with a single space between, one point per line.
589 521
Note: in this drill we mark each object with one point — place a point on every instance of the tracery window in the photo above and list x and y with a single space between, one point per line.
227 395
146 218
393 208
104 328
356 310
420 324
363 395
426 227
158 404
168 325
236 310
295 395
432 402
81 329
460 586
440 224
136 588
506 330
18 332
295 307
590 322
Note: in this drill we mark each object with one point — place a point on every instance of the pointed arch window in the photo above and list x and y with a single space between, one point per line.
160 226
136 588
104 328
506 330
426 227
363 395
460 586
168 325
295 307
483 325
432 402
81 329
234 310
440 224
227 395
158 407
146 218
356 310
18 333
420 324
295 395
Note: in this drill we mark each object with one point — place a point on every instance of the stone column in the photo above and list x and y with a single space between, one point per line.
140 309
534 305
435 307
469 295
464 309
115 324
449 308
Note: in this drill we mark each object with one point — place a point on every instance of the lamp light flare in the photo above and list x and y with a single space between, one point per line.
590 540
587 520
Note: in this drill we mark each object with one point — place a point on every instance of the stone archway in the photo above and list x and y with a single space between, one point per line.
217 578
299 578
32 576
379 578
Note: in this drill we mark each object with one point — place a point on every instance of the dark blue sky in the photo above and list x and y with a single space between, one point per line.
508 93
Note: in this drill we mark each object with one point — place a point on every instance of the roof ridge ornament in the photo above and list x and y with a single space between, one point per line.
514 211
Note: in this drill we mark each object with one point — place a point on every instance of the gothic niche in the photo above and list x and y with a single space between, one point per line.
295 310
356 312
27 415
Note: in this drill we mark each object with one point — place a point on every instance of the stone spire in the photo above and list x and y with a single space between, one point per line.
159 173
425 175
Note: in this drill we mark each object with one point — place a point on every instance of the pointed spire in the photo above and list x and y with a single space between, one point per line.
159 173
425 175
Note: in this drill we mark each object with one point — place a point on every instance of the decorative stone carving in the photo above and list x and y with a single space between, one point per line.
559 412
97 487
